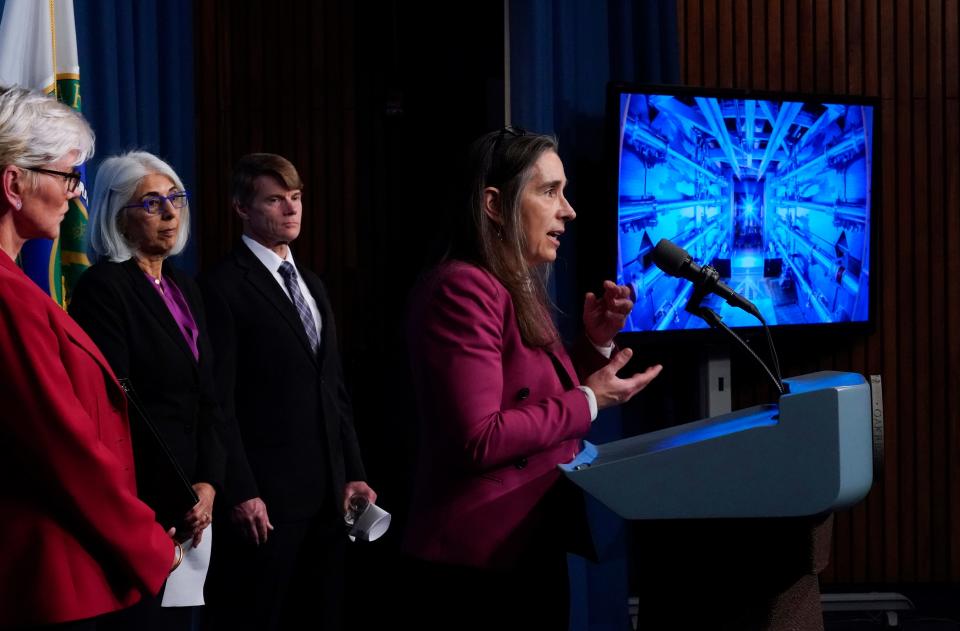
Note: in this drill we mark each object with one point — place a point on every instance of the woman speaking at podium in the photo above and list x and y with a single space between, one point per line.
501 401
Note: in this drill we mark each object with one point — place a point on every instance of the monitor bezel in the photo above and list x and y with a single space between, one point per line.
611 215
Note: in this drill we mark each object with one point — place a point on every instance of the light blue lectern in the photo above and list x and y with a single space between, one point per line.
736 508
811 454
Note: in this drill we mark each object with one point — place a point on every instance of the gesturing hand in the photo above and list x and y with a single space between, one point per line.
604 317
612 390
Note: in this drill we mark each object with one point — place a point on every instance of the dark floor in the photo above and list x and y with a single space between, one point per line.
934 608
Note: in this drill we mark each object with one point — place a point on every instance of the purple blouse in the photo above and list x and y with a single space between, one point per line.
180 310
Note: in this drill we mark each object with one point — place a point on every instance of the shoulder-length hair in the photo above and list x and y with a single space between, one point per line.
504 160
117 180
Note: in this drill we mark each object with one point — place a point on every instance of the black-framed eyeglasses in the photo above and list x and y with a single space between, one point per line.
72 178
506 135
153 204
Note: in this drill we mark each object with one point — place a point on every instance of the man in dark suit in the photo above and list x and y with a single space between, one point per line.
294 462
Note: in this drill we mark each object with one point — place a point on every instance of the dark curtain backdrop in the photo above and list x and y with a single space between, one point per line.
562 54
372 104
136 82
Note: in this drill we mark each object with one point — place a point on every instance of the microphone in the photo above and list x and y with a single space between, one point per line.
675 261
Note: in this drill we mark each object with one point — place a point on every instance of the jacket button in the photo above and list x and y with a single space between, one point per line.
188 428
521 464
523 393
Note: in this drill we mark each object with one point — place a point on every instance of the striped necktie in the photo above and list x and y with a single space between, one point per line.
289 274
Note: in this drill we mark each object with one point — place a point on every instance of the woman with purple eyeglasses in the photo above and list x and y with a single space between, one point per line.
148 319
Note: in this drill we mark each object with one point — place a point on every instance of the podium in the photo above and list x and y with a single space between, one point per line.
732 514
810 454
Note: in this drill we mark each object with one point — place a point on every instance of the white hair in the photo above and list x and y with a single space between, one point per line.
36 129
116 182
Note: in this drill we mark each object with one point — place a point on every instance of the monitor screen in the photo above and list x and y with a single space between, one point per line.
772 191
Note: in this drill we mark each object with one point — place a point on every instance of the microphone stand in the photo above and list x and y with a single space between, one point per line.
710 277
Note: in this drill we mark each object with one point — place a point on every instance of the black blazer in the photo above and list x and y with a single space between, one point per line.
294 445
128 320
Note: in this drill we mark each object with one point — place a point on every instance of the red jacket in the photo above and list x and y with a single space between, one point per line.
75 542
496 421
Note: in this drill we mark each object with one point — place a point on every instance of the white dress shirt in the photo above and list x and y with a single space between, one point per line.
271 260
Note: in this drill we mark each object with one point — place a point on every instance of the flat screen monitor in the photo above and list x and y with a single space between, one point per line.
774 191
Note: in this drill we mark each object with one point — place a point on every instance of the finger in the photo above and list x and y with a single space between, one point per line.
620 360
621 305
172 532
262 529
615 316
251 533
612 291
641 380
590 302
197 537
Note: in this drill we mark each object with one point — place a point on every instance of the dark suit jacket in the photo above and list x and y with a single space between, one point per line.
127 318
295 446
497 419
75 541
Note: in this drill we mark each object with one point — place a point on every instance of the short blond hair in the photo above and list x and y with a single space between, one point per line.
36 130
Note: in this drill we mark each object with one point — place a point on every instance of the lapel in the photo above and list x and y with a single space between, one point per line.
70 328
566 373
155 305
263 281
81 339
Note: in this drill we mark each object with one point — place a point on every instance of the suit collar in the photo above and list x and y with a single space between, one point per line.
70 327
262 279
149 296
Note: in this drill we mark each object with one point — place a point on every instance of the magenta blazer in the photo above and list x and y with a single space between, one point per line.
496 420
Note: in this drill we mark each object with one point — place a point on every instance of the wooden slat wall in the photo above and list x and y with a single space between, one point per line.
906 53
278 76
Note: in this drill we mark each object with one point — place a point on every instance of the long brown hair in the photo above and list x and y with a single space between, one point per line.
504 160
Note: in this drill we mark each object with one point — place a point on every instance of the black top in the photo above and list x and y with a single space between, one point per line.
128 320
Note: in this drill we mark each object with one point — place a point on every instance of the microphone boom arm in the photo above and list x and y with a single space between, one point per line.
700 290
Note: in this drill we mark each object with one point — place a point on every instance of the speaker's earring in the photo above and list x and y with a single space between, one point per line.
19 204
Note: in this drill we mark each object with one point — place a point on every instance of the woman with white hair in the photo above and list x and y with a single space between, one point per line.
75 542
148 319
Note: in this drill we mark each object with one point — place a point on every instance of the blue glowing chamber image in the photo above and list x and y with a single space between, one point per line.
776 196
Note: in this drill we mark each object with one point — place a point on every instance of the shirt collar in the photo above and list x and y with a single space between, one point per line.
270 259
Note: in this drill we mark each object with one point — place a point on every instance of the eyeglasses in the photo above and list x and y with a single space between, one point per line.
507 132
506 135
72 178
153 204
